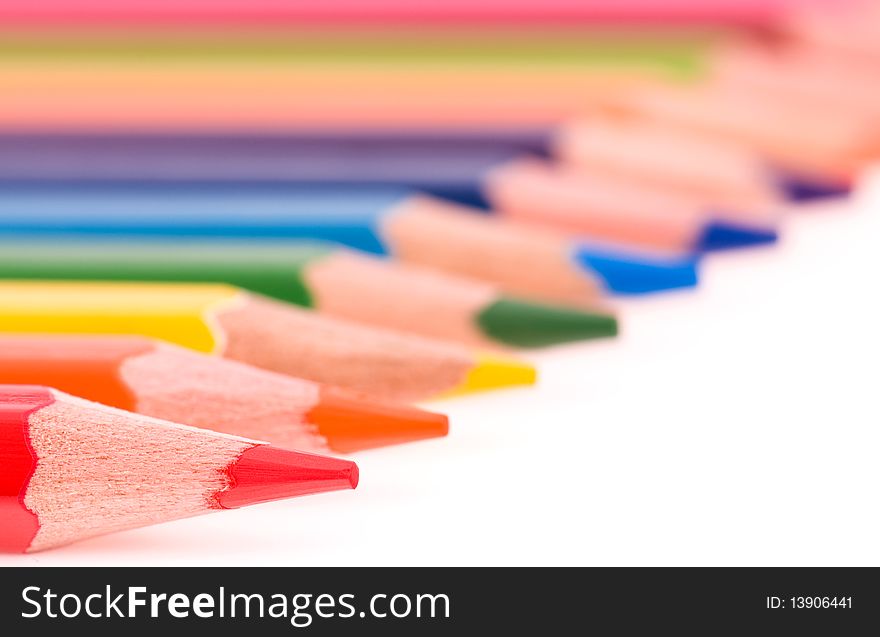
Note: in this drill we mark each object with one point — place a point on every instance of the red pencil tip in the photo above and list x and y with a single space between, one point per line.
264 473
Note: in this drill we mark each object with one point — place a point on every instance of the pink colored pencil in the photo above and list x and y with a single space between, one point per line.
281 12
850 28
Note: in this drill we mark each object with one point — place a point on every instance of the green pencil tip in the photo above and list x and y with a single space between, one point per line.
526 324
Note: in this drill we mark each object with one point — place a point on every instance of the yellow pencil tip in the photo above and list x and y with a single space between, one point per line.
491 371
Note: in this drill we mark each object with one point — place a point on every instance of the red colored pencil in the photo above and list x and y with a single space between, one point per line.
73 469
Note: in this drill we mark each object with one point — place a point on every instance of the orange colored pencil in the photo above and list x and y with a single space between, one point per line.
172 383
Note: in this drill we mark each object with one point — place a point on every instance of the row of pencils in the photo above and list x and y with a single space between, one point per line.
239 239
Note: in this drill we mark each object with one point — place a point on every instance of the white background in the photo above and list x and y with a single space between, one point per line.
737 425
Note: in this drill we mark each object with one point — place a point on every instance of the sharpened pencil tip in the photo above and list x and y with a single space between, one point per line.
526 324
805 189
264 473
354 476
351 421
492 372
624 273
722 235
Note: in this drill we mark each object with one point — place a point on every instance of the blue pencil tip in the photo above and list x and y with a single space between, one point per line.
630 274
721 235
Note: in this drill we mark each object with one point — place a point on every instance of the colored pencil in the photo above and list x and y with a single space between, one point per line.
263 332
172 383
799 137
625 210
519 259
273 13
445 164
74 469
451 164
849 30
800 74
263 96
678 52
334 281
470 173
724 173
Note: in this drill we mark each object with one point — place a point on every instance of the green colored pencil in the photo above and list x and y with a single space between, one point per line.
332 280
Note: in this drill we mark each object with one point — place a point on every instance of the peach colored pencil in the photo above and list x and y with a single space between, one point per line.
800 74
191 96
799 137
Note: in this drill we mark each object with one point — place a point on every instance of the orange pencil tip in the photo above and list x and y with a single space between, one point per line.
264 473
352 422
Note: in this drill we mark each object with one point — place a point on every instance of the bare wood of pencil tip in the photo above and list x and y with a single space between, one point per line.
74 469
259 331
176 384
333 281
